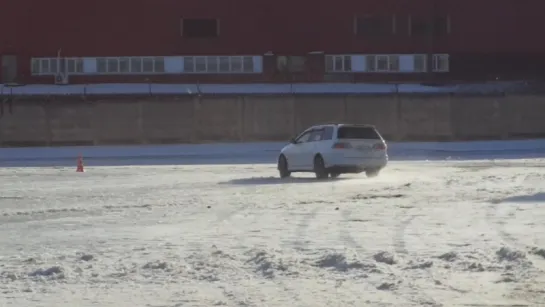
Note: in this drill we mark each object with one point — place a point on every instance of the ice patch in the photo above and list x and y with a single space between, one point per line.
86 257
538 251
340 263
387 286
413 265
385 257
55 272
157 265
450 256
266 264
507 254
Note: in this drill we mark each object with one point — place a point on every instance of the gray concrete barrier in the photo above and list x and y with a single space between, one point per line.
73 120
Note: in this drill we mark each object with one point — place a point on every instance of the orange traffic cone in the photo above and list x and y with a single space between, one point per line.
79 169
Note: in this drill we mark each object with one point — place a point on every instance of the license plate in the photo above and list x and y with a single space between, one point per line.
363 147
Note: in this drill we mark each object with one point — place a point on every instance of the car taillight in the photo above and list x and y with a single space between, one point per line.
379 146
342 145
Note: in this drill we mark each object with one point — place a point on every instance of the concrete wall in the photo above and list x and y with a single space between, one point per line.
158 120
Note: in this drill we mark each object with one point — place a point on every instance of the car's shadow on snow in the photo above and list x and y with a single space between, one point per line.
535 198
277 180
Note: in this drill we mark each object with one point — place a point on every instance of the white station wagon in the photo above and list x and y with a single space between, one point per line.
334 149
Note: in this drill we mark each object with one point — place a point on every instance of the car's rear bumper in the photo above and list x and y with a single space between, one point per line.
357 165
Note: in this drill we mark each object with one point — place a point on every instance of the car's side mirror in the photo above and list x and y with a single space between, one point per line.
292 141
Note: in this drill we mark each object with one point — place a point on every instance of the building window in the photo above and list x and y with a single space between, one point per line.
338 63
225 65
374 25
236 64
146 65
101 65
213 64
200 28
200 64
74 65
382 63
189 64
248 64
113 65
439 26
420 62
159 64
218 64
419 27
130 65
52 66
35 66
291 63
441 63
124 65
135 65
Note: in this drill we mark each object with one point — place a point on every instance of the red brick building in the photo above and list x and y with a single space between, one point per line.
213 41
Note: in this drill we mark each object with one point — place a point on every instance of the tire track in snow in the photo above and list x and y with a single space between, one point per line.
399 235
235 295
499 223
225 217
301 241
401 248
345 236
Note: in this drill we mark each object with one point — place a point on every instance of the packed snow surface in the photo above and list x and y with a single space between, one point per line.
451 233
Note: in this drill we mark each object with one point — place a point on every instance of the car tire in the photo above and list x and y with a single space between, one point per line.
283 167
335 175
319 168
372 172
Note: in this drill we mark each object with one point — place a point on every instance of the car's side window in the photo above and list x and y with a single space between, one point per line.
328 133
303 138
316 135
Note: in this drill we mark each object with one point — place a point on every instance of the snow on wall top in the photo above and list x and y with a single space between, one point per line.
252 89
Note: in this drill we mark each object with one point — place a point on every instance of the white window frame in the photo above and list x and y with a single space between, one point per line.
141 65
379 58
346 63
112 66
78 66
216 64
135 65
393 59
439 59
390 60
424 67
42 63
124 62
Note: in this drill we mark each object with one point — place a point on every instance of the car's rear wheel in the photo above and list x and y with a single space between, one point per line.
372 172
283 167
319 168
334 175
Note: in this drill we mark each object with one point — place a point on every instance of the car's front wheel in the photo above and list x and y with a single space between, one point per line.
335 175
283 167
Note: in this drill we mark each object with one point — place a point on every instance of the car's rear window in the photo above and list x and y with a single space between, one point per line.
348 132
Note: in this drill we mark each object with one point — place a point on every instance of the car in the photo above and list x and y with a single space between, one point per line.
334 149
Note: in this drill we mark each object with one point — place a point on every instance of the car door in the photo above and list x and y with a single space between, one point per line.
308 150
295 152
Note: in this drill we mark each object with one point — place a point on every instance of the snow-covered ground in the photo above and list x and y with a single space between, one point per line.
424 233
